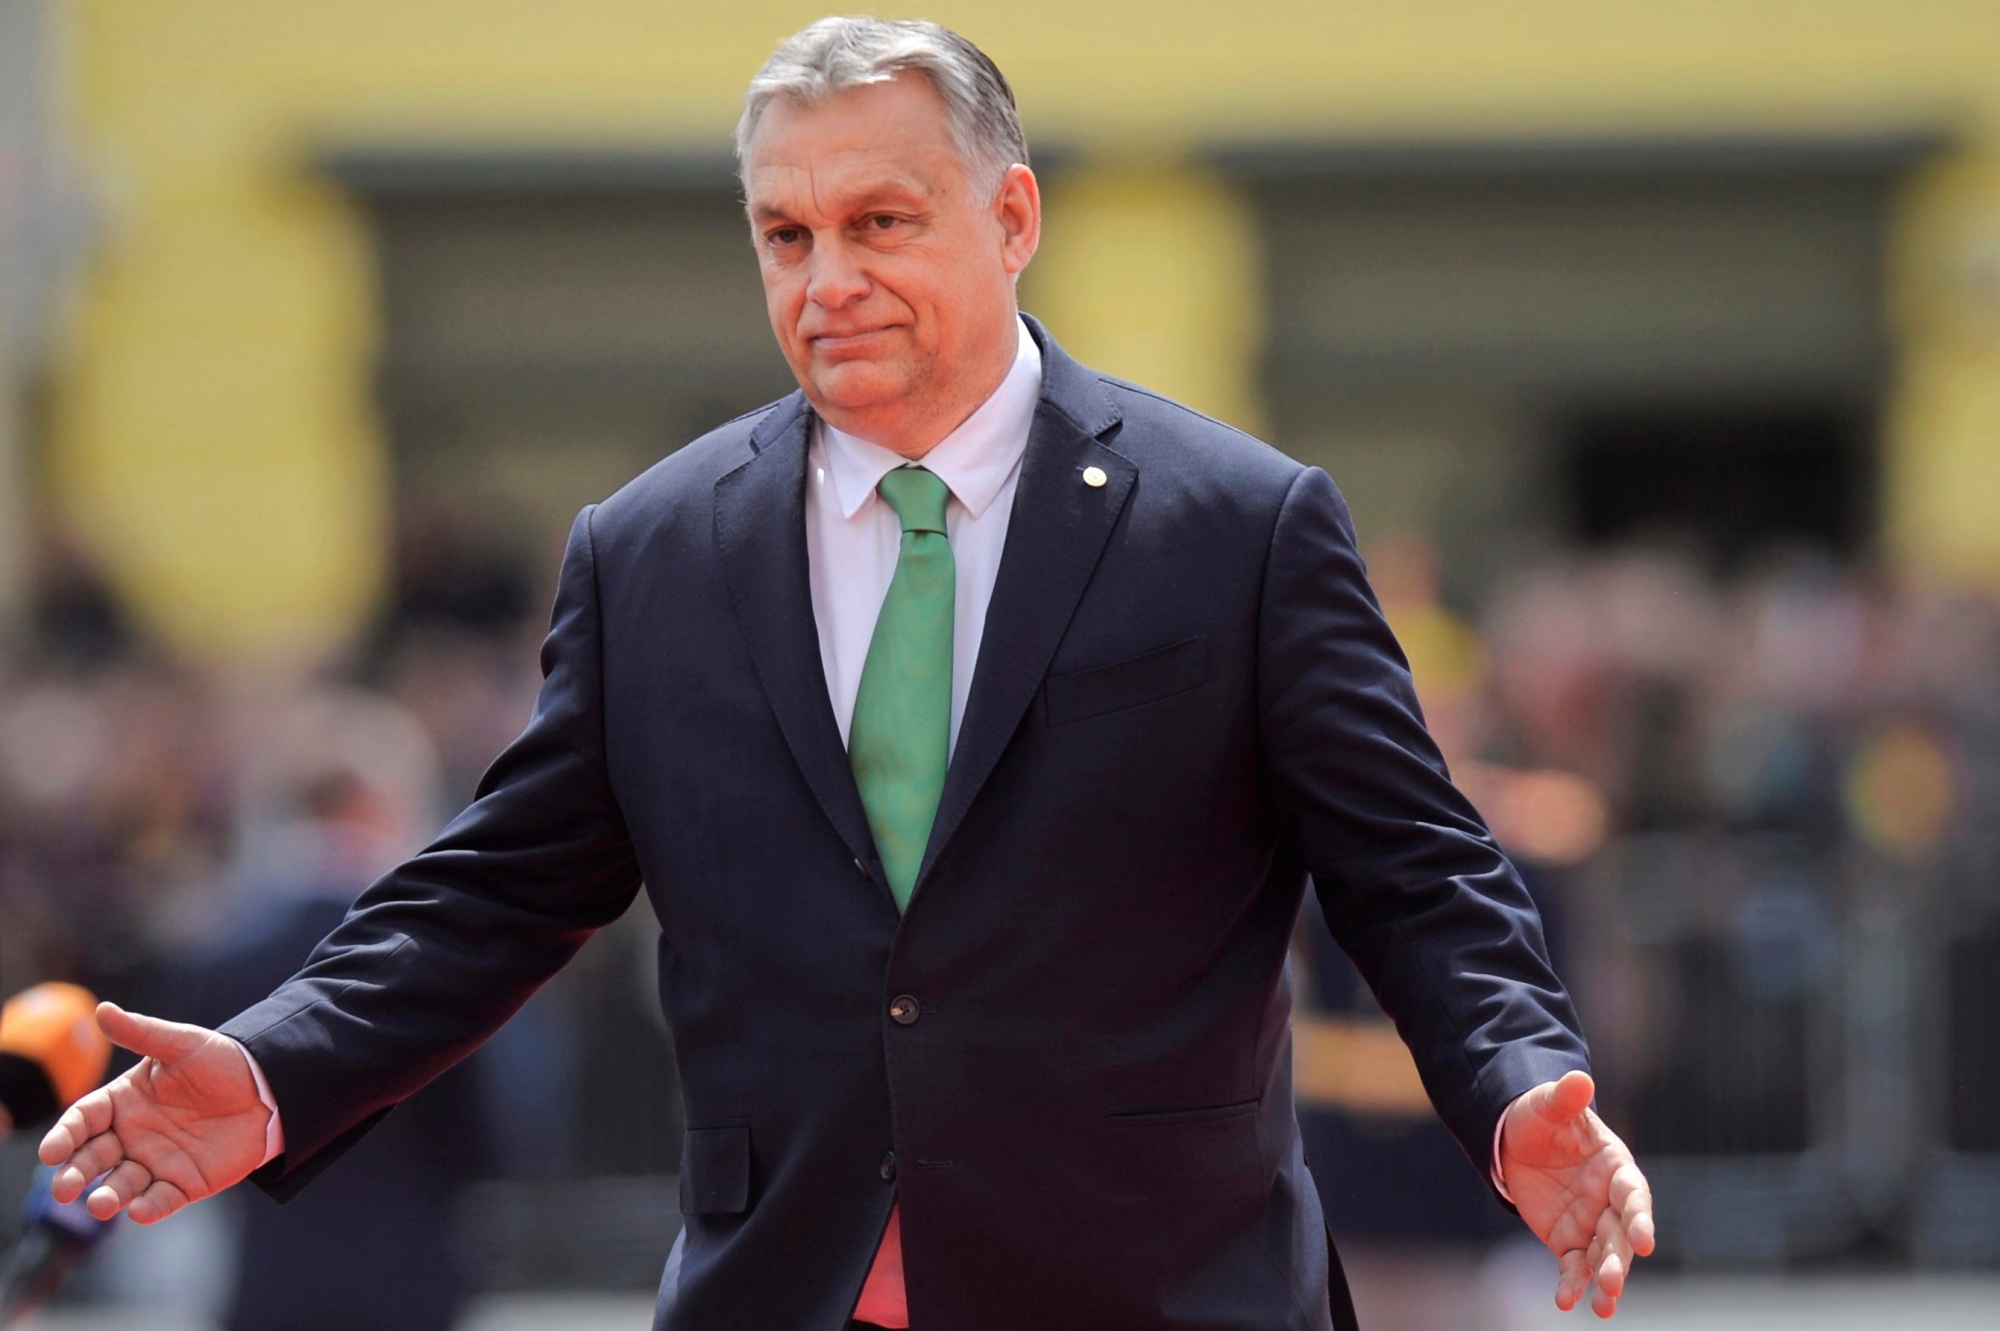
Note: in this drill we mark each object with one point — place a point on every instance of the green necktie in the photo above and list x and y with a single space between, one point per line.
900 739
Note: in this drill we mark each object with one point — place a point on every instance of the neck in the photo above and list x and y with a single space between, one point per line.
914 429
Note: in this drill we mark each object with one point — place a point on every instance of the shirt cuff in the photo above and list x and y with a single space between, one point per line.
1499 1174
274 1131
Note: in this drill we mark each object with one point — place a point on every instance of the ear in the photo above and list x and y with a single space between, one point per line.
1017 207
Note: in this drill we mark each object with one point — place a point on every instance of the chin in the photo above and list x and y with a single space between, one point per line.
856 386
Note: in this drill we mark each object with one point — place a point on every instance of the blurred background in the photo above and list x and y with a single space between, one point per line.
1656 346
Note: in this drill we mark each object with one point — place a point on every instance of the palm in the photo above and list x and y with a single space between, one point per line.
177 1119
1577 1186
182 1125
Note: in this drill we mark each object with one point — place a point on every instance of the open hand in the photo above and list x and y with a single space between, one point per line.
182 1125
1576 1185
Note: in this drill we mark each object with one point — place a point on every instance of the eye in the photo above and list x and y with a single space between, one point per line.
883 222
778 237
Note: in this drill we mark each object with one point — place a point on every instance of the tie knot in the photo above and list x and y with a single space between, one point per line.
917 496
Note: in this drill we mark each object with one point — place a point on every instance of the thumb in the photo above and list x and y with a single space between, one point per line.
167 1041
1557 1102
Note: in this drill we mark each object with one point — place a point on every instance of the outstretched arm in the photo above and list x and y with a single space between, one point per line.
447 946
1416 891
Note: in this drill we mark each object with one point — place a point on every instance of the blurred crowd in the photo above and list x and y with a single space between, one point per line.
145 801
1794 694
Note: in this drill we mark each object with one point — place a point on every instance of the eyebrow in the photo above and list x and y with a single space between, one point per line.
895 189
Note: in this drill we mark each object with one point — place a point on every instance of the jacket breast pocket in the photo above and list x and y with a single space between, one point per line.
1078 694
715 1171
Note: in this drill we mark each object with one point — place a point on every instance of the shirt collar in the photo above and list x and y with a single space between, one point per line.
973 461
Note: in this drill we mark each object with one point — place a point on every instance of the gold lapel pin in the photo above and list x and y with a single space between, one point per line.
1094 477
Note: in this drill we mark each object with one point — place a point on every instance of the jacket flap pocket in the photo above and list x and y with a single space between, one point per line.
715 1171
1142 679
1128 1116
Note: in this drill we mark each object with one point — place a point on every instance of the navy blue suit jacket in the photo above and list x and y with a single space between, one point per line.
1186 702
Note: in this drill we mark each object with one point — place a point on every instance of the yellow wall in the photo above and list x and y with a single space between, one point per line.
1151 269
214 431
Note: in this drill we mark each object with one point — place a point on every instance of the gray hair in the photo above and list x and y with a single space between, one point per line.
836 54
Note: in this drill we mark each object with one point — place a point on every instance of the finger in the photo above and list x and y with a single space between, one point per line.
1604 1305
96 1156
79 1123
1557 1102
1572 1278
1561 1101
1633 1199
156 1203
1614 1255
117 1191
164 1040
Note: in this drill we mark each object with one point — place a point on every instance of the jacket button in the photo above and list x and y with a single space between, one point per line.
889 1167
903 1010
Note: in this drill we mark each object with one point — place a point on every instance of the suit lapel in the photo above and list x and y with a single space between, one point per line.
1055 536
760 537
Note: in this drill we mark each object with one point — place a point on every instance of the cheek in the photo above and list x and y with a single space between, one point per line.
784 295
946 306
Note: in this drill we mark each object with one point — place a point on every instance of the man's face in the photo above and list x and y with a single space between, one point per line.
888 261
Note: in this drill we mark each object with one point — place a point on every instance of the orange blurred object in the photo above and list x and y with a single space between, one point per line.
1902 789
1544 815
55 1026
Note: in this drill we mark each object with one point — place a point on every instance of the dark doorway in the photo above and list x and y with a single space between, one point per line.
1732 480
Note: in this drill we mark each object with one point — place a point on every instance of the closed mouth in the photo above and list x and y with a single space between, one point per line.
841 341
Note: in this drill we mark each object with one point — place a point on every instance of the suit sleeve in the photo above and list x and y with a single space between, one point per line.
440 951
1411 882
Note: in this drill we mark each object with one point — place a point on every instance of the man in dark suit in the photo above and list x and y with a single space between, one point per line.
973 721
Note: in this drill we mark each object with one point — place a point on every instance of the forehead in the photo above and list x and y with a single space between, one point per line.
860 141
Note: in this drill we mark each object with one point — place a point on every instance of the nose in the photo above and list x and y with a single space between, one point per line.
836 279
